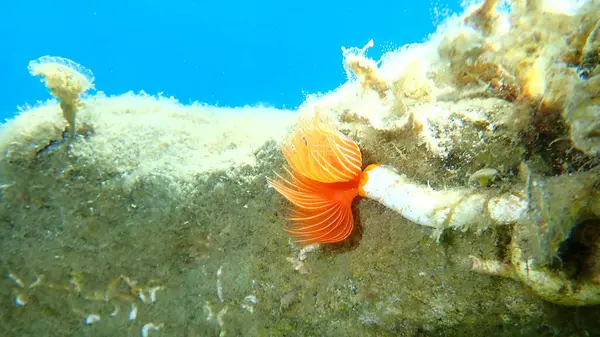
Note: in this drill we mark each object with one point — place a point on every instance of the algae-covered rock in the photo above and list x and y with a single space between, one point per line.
156 217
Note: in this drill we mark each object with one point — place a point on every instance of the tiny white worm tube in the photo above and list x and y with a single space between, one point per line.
150 326
454 208
92 318
133 312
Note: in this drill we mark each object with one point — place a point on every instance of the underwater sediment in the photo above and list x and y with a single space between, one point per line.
138 215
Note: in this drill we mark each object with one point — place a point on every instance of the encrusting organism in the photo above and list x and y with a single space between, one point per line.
365 69
66 80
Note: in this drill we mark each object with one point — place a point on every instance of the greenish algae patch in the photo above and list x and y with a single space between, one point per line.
156 218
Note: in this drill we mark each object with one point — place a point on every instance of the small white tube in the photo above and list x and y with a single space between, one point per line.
454 208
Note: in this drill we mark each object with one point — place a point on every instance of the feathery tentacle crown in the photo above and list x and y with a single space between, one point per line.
325 177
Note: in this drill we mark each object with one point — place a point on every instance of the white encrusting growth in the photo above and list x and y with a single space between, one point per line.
441 209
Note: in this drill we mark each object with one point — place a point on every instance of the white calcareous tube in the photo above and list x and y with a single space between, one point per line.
454 208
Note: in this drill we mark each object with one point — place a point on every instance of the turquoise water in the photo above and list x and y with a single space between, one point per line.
136 215
226 53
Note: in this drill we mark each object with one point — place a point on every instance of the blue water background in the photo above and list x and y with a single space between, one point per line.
227 53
